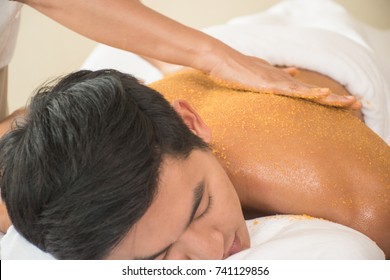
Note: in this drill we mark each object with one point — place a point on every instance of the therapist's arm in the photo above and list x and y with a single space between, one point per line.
131 26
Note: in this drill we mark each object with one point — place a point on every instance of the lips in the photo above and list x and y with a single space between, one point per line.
234 248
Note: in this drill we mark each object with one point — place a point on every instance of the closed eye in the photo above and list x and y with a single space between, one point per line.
207 210
165 254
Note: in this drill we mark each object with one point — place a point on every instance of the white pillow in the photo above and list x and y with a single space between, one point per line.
274 237
104 57
291 237
16 247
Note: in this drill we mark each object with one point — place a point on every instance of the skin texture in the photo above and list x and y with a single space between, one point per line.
149 34
217 230
292 156
282 155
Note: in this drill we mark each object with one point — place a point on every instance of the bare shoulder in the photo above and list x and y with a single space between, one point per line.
315 78
286 155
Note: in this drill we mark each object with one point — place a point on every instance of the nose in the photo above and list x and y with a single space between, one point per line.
198 245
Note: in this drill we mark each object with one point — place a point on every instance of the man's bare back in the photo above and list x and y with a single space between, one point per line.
292 156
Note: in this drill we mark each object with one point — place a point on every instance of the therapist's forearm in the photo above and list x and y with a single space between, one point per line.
129 25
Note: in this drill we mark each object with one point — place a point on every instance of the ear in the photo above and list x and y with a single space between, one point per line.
192 119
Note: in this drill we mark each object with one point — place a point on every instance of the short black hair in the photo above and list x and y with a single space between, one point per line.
82 167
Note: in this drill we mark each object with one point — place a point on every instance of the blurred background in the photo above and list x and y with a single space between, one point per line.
46 50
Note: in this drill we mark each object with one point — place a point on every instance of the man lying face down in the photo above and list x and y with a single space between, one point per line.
103 167
101 162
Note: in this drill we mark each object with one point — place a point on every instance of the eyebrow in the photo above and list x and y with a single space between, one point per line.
197 198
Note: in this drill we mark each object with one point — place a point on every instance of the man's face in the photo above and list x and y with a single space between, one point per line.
196 214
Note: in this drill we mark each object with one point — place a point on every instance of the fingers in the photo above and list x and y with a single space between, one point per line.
301 90
259 76
348 102
322 96
292 71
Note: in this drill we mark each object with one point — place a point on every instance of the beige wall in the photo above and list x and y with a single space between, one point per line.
45 49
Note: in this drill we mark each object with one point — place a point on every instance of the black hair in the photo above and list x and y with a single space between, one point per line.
82 167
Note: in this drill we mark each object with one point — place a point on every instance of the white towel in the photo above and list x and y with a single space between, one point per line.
274 237
290 237
15 247
317 35
321 36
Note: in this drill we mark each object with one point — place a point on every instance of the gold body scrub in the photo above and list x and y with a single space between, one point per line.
292 156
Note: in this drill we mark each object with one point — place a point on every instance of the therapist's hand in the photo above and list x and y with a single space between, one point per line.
251 73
